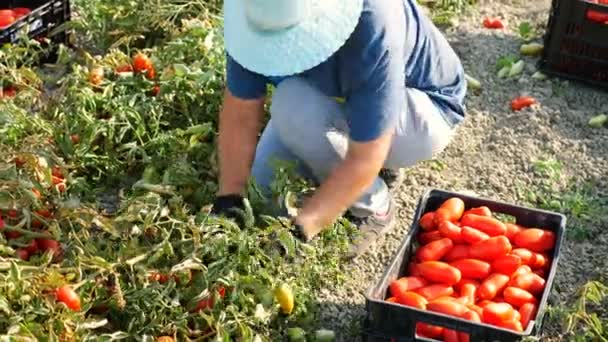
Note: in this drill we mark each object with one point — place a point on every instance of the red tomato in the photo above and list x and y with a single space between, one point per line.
597 16
142 63
435 250
450 335
493 313
428 237
472 268
75 138
481 211
472 316
391 300
470 292
412 299
464 281
412 283
477 309
124 69
512 230
521 270
427 330
158 277
518 297
530 282
451 231
522 102
506 264
49 245
536 240
488 225
526 256
22 254
412 269
511 324
450 210
12 235
472 235
527 313
6 20
491 249
456 253
492 286
204 304
69 297
448 307
493 23
427 221
541 260
32 248
440 272
21 11
434 291
1 223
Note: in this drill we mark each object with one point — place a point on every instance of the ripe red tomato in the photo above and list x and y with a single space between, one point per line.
512 324
1 223
427 221
492 286
21 11
494 313
8 91
32 248
493 23
527 313
522 102
518 297
536 240
22 254
6 19
69 297
428 330
434 291
448 307
472 268
405 284
456 253
435 250
526 256
451 231
428 237
439 272
488 225
450 210
143 64
506 264
49 245
412 299
482 211
75 138
512 230
473 236
491 249
450 335
530 282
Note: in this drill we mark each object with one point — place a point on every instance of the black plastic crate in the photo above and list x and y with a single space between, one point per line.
386 321
46 16
576 42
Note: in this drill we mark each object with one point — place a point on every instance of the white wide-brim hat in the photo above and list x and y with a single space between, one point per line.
286 37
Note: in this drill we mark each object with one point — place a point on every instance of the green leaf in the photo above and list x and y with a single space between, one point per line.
525 30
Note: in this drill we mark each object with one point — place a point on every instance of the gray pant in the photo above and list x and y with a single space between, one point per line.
310 127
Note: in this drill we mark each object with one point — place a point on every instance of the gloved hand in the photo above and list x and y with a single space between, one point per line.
224 206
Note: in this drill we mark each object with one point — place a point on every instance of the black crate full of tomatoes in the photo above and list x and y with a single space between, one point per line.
470 269
39 17
576 41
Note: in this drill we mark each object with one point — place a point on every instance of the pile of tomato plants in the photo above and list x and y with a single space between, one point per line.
139 116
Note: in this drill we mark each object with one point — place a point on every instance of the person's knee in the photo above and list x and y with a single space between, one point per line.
298 111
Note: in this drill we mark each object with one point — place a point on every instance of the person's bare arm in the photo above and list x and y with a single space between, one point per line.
240 122
345 185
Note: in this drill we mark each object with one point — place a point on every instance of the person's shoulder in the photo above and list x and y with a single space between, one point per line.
380 19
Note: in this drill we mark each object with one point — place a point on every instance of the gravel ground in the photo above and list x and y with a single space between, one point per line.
494 152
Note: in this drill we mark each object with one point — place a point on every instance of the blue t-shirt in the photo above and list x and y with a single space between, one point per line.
391 49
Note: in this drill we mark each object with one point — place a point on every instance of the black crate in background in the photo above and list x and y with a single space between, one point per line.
46 16
576 47
393 322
